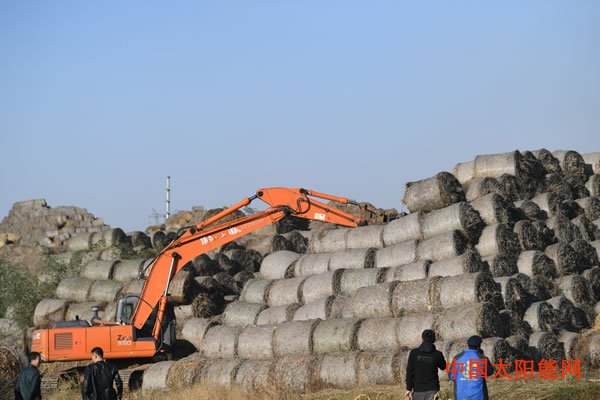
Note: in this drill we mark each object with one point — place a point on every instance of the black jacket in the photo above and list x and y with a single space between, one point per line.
422 368
27 386
98 382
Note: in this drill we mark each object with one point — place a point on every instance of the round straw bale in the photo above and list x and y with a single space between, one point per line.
541 288
241 313
530 210
433 193
544 345
133 288
567 314
467 320
467 289
563 228
182 313
285 291
155 376
296 374
158 240
226 284
437 248
498 239
220 372
317 309
79 242
48 311
511 323
105 290
250 260
378 334
203 265
373 301
255 374
514 294
565 258
208 304
410 327
529 238
587 230
546 234
592 163
194 330
408 272
541 317
256 342
221 341
397 254
587 253
74 288
298 240
354 279
479 187
593 185
277 315
256 291
593 276
126 270
509 187
464 171
548 161
416 296
321 285
577 289
588 349
534 262
341 307
243 277
549 202
183 288
501 265
596 244
185 372
294 338
139 239
494 165
590 206
380 368
352 259
311 264
98 269
83 311
336 335
465 263
519 343
459 216
571 162
328 240
408 227
365 237
493 208
570 342
338 370
10 366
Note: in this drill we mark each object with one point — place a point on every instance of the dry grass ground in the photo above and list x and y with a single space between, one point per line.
499 390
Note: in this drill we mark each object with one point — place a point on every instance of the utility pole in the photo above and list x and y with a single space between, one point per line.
168 213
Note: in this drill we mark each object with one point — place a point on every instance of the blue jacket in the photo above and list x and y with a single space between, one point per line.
465 388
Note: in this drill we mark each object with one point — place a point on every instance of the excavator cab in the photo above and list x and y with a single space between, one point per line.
125 310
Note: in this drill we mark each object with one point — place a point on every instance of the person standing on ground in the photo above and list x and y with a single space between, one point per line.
28 384
99 377
469 370
422 381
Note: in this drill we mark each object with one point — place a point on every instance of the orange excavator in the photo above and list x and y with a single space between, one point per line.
144 327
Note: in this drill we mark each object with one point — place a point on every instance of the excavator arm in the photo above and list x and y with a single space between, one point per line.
203 238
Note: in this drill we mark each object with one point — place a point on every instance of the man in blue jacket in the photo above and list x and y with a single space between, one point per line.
28 384
469 370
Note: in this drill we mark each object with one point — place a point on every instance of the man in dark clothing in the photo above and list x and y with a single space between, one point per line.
468 371
28 384
99 377
422 369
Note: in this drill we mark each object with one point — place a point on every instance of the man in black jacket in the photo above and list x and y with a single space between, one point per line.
28 384
422 369
99 377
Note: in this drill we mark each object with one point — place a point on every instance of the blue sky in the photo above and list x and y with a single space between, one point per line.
100 101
